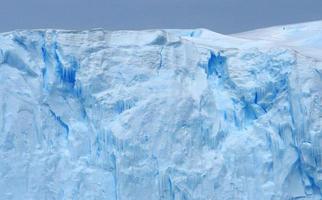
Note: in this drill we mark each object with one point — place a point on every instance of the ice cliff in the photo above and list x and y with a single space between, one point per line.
161 114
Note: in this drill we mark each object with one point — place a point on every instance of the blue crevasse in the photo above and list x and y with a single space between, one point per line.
216 65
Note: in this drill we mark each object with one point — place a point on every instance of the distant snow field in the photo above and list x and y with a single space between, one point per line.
161 114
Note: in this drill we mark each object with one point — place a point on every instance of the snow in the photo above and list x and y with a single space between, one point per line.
161 114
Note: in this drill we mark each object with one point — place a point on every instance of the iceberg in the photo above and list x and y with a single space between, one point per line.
161 114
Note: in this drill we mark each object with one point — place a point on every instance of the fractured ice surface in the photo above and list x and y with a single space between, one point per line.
161 114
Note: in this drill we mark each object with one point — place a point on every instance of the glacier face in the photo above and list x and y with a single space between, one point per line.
159 114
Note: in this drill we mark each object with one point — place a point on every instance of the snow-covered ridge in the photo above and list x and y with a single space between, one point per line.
161 114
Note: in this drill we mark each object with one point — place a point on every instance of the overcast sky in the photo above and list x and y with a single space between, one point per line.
224 16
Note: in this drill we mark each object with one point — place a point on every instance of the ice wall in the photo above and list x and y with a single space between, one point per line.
160 114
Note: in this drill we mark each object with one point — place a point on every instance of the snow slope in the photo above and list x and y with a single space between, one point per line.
161 114
305 37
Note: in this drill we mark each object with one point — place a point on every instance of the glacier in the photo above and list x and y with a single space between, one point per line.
161 114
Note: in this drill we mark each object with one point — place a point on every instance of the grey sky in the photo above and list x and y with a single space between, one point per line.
224 16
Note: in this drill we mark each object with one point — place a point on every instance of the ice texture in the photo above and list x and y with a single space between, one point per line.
161 114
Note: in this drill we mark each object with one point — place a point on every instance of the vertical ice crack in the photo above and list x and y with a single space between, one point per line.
161 58
60 121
